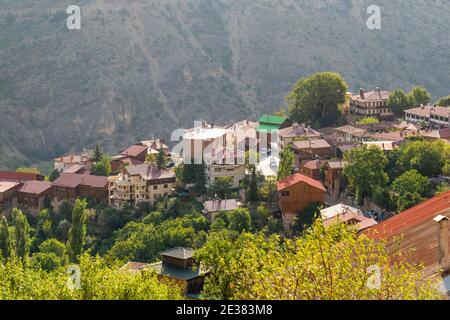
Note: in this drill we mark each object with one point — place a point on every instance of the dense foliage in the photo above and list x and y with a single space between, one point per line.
326 263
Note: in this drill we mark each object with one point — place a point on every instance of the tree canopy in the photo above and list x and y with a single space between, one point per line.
365 170
325 264
315 99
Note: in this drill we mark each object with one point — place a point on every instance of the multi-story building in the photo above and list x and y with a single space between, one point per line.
70 186
226 162
296 132
433 115
140 183
371 103
83 159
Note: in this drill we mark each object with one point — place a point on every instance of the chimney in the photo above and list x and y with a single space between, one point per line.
444 258
362 93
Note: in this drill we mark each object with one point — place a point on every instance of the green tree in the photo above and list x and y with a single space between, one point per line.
161 159
287 159
324 264
100 280
44 227
97 156
368 120
427 157
419 95
77 232
316 99
365 170
339 154
444 101
398 101
221 187
102 167
409 189
253 185
21 234
441 188
150 159
268 190
52 255
5 239
53 175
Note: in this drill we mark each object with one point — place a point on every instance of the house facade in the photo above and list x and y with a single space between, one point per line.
70 186
297 132
140 183
32 196
297 192
433 115
371 104
83 159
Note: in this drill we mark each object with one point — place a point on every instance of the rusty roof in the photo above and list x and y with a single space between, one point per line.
414 230
299 178
135 150
149 172
7 185
311 144
19 176
73 180
35 187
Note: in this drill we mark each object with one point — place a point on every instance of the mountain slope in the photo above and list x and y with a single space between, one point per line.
141 68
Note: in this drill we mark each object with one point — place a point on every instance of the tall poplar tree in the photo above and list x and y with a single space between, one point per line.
21 233
77 232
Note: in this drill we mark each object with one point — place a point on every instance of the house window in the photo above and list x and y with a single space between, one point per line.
155 187
217 170
285 193
165 186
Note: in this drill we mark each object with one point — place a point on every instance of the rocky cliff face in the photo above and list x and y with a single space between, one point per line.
142 68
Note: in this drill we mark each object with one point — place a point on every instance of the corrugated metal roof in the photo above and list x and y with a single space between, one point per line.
414 230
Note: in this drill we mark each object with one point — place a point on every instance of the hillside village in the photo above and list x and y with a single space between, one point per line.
381 168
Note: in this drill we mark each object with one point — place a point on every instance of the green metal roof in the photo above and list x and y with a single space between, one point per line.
175 272
266 127
272 119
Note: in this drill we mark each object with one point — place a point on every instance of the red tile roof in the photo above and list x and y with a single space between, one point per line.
311 144
35 187
73 180
297 178
149 172
19 176
313 164
134 150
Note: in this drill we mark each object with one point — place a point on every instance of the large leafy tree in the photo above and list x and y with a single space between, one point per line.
102 167
409 189
98 280
419 95
325 264
221 187
428 158
365 170
21 233
316 99
287 159
398 101
77 232
444 101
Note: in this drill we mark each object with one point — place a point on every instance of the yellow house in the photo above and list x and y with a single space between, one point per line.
140 183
